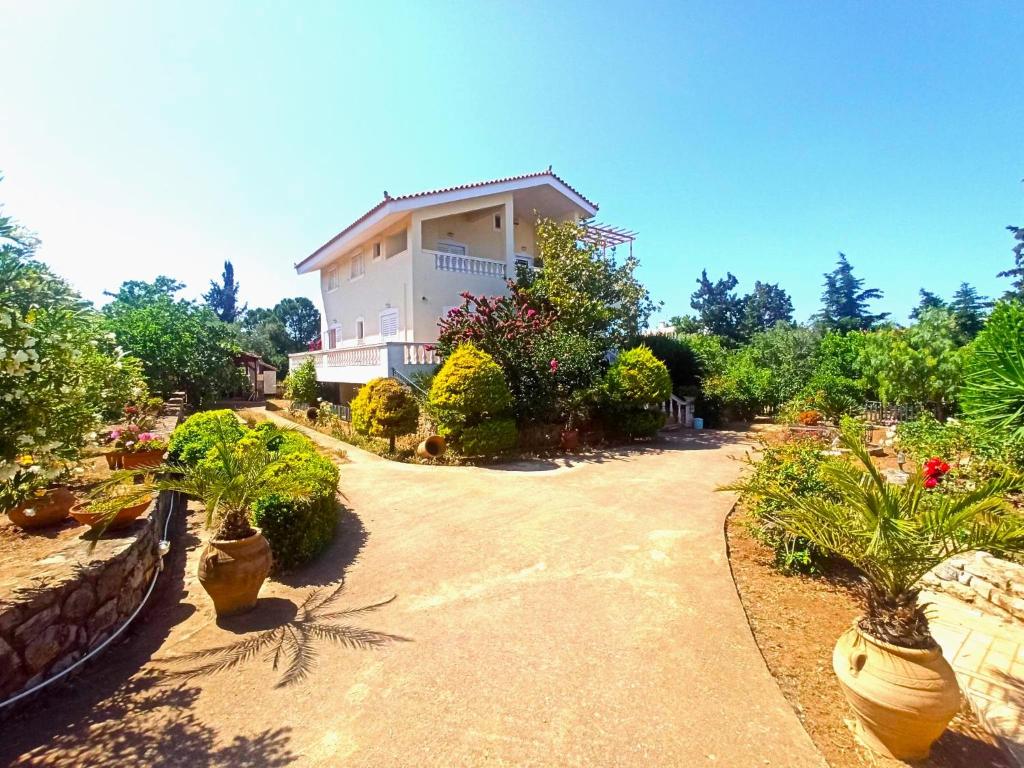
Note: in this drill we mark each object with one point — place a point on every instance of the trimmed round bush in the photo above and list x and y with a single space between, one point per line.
384 408
633 388
472 403
194 437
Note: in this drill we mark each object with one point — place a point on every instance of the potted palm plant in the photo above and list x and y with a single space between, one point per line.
113 504
237 560
892 672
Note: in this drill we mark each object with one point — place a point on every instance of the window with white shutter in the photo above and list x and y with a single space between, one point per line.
388 323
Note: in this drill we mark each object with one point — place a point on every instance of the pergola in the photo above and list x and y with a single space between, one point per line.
605 235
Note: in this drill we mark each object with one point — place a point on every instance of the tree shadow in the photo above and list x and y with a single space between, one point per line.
289 642
113 714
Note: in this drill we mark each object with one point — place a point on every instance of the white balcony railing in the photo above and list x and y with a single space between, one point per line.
467 265
354 356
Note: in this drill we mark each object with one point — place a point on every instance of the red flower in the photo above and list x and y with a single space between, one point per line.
554 366
930 482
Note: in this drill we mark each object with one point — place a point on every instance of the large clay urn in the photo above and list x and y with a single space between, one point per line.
232 572
902 697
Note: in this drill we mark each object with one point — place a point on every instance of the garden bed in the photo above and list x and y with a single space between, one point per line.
796 621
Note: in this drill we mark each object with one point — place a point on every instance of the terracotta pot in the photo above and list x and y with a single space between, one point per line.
122 519
141 459
570 439
902 697
232 572
114 458
39 512
431 448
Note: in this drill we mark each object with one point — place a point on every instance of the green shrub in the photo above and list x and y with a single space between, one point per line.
300 384
487 438
797 465
993 391
384 408
684 367
195 436
633 387
466 393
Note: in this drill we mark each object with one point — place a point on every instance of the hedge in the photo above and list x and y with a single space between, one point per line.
633 388
297 530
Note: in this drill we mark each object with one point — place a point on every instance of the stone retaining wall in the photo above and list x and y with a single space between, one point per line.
77 597
992 585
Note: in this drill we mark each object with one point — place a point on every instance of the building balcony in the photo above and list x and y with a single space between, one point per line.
467 265
360 364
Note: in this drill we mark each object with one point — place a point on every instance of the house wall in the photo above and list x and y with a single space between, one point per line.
386 283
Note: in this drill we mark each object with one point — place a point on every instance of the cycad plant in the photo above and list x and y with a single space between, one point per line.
895 534
993 393
231 477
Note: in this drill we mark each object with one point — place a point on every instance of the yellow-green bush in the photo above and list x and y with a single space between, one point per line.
472 403
384 408
633 388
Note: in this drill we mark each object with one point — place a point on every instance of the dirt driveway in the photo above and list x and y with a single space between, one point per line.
546 614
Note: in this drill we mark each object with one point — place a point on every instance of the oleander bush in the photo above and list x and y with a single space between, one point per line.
384 408
635 385
468 393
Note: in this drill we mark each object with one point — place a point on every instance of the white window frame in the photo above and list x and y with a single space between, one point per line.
356 266
380 319
377 250
337 336
446 241
333 279
360 330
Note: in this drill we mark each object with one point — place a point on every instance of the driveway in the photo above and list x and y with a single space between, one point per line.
562 613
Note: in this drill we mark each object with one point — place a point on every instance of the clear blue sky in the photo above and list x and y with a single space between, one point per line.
762 138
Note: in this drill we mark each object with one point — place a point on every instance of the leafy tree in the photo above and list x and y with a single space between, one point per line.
384 408
679 358
845 300
261 331
787 354
928 301
919 364
969 310
1016 273
222 297
301 321
835 387
61 374
717 305
765 307
593 296
300 384
183 346
685 324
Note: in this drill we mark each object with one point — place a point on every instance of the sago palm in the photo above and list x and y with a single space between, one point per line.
895 534
993 392
231 478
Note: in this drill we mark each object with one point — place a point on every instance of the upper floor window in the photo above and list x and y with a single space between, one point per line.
357 266
359 330
376 250
396 243
450 246
389 323
497 222
332 279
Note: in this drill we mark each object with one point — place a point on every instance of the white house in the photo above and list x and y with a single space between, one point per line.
389 276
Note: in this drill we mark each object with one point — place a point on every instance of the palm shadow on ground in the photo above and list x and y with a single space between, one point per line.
284 635
113 714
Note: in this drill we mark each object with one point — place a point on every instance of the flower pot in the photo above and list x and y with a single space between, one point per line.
232 572
431 448
140 459
570 439
52 508
122 519
114 458
902 697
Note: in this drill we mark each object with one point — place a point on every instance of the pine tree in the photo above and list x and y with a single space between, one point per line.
1016 273
717 305
222 297
969 310
765 307
928 301
845 302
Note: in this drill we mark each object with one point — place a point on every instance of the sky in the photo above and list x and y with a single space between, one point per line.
761 138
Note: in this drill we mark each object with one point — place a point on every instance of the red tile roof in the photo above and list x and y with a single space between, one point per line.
388 198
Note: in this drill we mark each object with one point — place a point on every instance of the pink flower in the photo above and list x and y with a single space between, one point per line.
145 437
530 313
115 434
930 482
554 366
